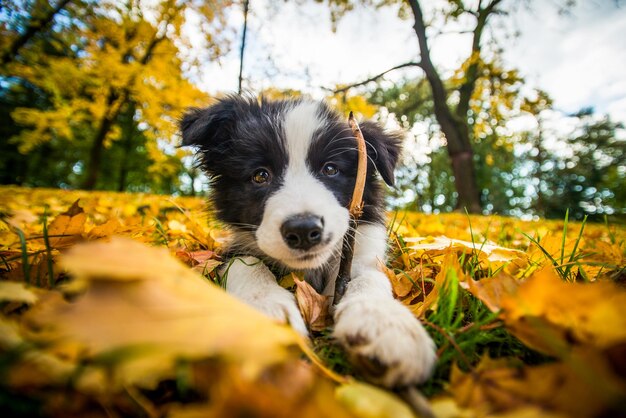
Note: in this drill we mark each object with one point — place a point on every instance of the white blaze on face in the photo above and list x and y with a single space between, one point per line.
301 193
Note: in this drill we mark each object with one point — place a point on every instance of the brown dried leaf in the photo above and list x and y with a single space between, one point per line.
204 261
313 306
582 387
67 228
287 390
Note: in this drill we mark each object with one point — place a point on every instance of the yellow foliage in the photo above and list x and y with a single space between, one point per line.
345 103
127 56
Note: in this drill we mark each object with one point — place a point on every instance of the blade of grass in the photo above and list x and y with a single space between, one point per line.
24 248
48 251
564 236
573 254
546 253
161 230
611 233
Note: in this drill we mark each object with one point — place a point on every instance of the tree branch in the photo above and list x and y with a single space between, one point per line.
376 77
35 25
471 75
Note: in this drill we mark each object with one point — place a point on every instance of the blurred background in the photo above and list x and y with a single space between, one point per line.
510 107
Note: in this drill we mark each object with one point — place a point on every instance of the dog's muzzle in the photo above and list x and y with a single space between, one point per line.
303 231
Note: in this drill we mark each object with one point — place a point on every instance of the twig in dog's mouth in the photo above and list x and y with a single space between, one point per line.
356 210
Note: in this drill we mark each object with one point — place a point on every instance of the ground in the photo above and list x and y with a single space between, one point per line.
111 306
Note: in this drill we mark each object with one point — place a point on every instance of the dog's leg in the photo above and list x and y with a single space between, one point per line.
380 334
249 280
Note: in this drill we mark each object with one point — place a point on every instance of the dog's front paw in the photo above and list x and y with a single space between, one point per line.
385 341
280 304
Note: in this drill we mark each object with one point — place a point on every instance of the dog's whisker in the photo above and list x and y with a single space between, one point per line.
335 139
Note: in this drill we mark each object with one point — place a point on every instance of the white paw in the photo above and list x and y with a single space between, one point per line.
250 281
280 304
385 341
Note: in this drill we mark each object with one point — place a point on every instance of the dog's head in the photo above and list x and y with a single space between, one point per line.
282 173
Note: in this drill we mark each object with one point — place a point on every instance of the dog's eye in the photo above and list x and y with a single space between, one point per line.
261 176
330 170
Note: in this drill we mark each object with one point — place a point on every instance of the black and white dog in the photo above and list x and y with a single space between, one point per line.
282 175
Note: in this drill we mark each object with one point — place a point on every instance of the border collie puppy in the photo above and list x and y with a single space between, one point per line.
282 175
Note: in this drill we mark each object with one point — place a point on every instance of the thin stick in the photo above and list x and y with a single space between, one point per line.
356 205
356 210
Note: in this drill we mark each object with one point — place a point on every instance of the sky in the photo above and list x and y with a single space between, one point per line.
578 58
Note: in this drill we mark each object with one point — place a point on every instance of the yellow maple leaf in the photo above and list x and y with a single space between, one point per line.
142 310
550 314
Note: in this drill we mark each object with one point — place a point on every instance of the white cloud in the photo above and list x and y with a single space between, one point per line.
578 59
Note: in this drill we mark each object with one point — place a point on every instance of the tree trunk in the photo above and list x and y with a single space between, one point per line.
95 154
128 135
242 49
454 128
110 116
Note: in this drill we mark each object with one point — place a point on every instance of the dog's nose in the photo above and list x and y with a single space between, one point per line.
302 232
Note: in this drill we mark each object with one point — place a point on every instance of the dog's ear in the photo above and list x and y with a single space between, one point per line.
209 126
383 148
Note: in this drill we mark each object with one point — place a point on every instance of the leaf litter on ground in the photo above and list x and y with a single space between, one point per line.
111 304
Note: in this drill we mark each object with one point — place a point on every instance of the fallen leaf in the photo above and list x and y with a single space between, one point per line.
282 391
583 387
367 401
313 306
141 297
67 228
107 229
451 274
22 218
492 253
407 283
492 290
550 314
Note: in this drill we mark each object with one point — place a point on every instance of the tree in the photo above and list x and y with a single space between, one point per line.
496 99
125 67
452 115
589 180
39 19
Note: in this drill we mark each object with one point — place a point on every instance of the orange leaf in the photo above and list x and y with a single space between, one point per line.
550 314
67 228
492 290
110 227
